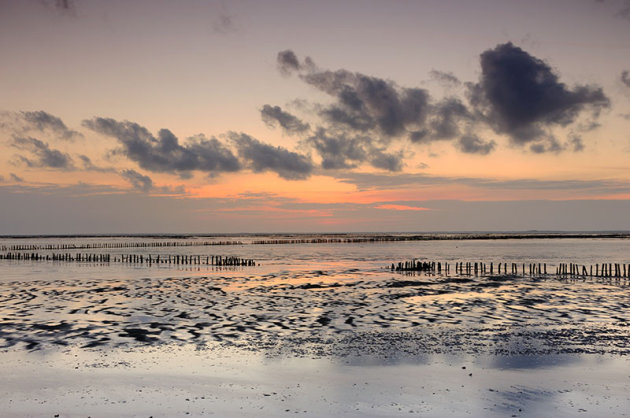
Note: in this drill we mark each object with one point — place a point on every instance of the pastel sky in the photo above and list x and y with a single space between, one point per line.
314 116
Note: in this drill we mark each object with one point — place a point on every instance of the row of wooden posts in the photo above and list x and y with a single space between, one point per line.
325 239
430 237
615 270
210 260
98 245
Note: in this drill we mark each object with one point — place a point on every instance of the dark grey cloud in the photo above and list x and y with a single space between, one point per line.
338 151
274 115
520 95
165 153
447 79
446 118
137 180
288 63
548 143
43 121
264 157
419 137
65 7
625 77
22 123
367 113
46 157
576 143
369 103
342 150
16 178
64 4
89 166
472 144
386 161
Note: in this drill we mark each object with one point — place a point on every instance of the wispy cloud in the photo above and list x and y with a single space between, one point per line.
400 207
22 123
45 156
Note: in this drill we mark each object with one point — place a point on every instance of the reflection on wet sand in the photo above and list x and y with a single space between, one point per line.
322 312
172 380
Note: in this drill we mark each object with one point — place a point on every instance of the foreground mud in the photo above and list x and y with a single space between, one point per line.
321 313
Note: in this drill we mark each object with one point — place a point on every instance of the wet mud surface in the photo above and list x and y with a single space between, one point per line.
322 313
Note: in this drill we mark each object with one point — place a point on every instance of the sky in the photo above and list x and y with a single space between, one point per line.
142 116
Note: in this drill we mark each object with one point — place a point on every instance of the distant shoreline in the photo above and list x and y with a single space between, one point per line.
377 236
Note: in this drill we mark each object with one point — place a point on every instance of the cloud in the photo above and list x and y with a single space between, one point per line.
224 23
519 95
368 113
263 157
625 77
447 79
386 161
64 4
165 153
274 115
366 103
576 143
43 121
400 207
16 178
21 123
288 63
137 180
446 117
89 166
362 103
471 144
624 8
383 181
46 156
338 151
342 150
546 144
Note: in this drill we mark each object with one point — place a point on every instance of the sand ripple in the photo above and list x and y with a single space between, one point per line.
323 312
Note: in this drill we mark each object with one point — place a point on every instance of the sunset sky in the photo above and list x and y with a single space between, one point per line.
308 116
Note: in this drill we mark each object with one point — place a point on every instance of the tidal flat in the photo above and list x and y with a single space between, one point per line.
318 329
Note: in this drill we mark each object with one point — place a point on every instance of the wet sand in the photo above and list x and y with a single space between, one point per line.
182 381
317 342
309 312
